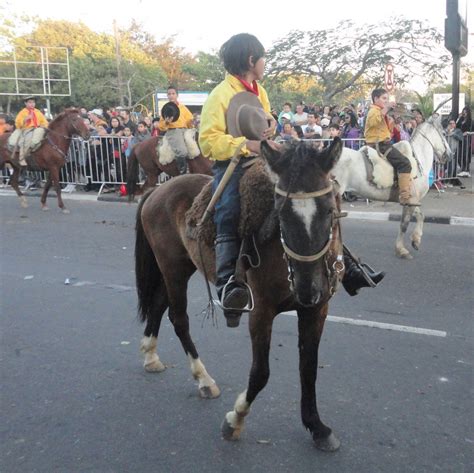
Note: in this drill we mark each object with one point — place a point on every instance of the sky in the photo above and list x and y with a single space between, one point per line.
204 24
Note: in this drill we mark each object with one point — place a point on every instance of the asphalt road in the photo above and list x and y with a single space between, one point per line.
75 398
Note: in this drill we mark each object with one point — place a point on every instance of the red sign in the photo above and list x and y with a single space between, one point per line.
389 78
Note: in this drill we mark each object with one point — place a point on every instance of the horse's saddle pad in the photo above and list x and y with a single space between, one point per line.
379 171
165 148
257 214
29 139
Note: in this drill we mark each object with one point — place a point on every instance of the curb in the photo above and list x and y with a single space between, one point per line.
385 216
355 215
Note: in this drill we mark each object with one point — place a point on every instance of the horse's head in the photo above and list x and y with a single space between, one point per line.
73 123
308 212
437 139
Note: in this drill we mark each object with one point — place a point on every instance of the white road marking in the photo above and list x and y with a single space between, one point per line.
381 325
462 221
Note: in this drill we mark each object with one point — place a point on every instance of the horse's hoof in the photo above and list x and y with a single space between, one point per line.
327 444
415 245
155 366
229 432
209 392
23 202
44 208
404 254
66 211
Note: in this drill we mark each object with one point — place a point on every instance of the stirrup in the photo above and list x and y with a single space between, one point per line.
250 305
363 269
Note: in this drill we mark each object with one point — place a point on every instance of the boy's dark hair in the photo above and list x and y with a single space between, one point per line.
334 125
143 123
376 93
172 87
287 103
155 119
236 52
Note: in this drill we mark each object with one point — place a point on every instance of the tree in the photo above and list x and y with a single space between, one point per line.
350 56
204 72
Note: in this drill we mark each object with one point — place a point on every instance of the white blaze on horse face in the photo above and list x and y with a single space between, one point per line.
305 209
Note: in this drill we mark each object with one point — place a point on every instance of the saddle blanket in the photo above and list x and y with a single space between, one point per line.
257 214
27 140
165 151
379 171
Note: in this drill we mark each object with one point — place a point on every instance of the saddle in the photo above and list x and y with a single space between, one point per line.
25 142
380 172
258 217
166 154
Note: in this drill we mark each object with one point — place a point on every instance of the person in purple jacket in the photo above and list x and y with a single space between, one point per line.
351 131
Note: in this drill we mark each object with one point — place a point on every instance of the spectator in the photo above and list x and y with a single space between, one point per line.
127 142
351 131
418 116
300 118
125 114
96 118
3 122
155 129
147 121
312 130
325 122
285 113
464 123
454 137
288 133
115 148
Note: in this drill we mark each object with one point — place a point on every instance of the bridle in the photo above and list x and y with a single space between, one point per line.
418 131
332 271
54 145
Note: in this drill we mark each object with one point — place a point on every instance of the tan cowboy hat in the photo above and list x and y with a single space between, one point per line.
246 117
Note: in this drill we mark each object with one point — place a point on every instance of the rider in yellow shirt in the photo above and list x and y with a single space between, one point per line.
378 134
244 60
30 117
175 130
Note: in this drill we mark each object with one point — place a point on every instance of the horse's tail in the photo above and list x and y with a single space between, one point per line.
147 273
132 174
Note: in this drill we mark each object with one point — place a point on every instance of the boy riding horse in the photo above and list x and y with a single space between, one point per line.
244 61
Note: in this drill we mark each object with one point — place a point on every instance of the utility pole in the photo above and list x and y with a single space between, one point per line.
455 41
117 61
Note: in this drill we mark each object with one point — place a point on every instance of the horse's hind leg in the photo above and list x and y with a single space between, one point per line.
14 183
177 284
418 231
400 249
260 331
148 344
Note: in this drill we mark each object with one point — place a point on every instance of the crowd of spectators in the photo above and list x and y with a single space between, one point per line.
114 132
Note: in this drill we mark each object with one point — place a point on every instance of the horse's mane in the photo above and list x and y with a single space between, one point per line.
63 115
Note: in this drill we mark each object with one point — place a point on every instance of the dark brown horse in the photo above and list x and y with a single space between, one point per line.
50 156
308 211
145 154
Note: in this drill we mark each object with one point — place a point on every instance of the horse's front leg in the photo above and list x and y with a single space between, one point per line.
310 328
260 332
418 231
54 175
400 249
44 195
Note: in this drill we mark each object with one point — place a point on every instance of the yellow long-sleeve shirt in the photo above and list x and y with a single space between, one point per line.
20 119
214 140
185 120
376 127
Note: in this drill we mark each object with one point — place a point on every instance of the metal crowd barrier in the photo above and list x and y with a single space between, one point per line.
102 161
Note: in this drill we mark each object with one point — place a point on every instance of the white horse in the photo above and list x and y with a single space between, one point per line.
428 141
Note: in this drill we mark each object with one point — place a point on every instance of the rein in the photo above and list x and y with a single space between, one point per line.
54 145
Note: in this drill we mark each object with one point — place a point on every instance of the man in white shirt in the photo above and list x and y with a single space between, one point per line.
300 117
312 130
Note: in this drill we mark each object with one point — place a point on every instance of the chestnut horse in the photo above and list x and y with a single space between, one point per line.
308 210
50 156
145 155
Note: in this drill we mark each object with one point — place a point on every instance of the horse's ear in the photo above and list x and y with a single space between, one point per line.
330 156
273 155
